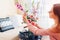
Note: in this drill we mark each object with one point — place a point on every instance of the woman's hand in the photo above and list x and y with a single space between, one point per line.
25 18
30 23
35 24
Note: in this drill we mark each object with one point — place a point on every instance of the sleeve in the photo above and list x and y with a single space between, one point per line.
41 32
38 31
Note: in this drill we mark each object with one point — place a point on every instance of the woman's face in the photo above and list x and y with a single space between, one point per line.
51 14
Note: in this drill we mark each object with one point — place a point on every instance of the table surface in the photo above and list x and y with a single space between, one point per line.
10 34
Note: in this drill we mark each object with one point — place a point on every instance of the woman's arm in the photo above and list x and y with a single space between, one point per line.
35 29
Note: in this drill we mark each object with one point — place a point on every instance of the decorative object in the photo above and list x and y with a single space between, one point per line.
31 10
27 35
5 24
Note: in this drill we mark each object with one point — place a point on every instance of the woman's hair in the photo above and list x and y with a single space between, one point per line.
56 10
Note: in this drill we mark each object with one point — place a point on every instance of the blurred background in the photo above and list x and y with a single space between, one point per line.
8 8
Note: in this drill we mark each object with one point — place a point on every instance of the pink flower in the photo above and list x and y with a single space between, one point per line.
19 6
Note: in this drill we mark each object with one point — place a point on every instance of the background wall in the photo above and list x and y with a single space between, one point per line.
7 8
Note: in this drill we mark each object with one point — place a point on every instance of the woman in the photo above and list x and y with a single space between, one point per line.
54 31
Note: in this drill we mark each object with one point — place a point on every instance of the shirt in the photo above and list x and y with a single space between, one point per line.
43 32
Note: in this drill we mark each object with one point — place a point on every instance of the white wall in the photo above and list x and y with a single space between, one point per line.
7 8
